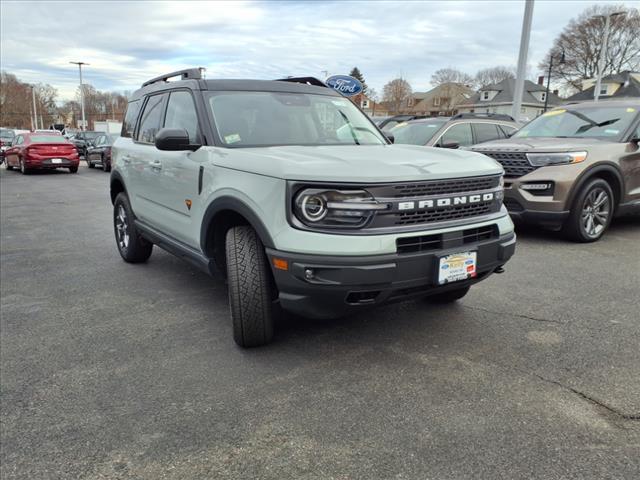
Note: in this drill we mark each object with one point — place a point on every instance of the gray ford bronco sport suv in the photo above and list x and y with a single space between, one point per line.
290 192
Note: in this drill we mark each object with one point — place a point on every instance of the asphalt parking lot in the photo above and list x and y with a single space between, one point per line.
110 370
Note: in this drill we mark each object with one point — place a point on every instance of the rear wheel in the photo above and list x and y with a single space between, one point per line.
591 212
90 164
250 287
106 167
23 168
6 164
73 169
132 247
449 296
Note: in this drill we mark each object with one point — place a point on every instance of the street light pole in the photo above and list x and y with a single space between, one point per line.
84 122
603 51
522 59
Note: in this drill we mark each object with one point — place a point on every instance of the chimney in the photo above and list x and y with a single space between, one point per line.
541 80
556 91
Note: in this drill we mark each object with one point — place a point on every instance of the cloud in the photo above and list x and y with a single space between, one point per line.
126 43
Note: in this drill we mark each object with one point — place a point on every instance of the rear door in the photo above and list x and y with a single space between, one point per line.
11 155
142 156
174 179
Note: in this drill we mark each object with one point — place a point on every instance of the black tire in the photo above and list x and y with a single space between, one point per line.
250 288
23 168
132 247
449 296
90 164
7 166
105 167
591 212
73 169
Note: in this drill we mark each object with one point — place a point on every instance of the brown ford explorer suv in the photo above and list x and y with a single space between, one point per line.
573 168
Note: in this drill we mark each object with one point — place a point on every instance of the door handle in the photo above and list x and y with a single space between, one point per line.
126 159
156 165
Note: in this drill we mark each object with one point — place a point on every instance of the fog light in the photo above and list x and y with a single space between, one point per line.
308 274
535 186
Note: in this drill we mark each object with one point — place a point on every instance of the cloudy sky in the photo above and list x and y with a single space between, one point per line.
128 42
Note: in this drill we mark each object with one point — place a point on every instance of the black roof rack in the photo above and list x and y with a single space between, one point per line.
305 80
187 74
493 116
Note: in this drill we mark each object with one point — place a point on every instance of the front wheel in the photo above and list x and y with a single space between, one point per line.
73 169
591 212
106 167
250 287
7 166
132 247
449 296
23 168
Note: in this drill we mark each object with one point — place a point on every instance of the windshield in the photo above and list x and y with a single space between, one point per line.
599 122
47 139
91 135
249 119
418 133
7 134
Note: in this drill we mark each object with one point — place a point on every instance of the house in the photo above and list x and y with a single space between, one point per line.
439 101
618 85
498 98
368 106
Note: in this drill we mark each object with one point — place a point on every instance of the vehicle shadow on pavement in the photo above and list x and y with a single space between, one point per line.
618 225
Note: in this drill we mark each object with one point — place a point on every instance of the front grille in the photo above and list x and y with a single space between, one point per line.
451 213
472 184
438 241
515 164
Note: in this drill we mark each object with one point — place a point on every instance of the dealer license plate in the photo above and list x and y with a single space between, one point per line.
56 160
456 267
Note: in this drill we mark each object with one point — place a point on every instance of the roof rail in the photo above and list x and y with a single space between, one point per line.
186 74
493 116
305 80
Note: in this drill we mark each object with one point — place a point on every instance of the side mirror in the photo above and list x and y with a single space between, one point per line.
174 139
451 145
390 136
635 140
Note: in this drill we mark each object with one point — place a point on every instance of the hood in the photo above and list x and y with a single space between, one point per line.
540 144
353 163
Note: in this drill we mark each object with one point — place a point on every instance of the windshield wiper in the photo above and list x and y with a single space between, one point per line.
353 132
591 122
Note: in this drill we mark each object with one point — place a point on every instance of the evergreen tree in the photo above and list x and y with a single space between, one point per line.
356 73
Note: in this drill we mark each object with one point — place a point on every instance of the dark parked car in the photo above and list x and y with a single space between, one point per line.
99 152
37 151
462 130
82 140
6 138
390 122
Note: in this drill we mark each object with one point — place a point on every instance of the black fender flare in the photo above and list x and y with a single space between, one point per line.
584 177
236 205
115 176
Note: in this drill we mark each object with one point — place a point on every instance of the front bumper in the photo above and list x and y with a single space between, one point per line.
347 284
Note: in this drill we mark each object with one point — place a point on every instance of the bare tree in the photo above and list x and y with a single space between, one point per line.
450 75
581 41
489 76
395 93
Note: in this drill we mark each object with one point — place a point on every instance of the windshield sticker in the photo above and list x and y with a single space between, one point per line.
553 112
233 138
631 110
339 103
611 131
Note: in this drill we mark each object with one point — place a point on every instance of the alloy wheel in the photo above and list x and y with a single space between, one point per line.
122 228
596 210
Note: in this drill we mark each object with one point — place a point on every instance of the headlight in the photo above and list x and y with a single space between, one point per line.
335 208
545 159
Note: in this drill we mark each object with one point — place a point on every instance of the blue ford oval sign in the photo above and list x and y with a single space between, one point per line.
346 85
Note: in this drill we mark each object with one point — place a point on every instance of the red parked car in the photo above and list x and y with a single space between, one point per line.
39 151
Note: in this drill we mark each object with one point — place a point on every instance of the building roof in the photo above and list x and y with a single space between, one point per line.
630 87
505 90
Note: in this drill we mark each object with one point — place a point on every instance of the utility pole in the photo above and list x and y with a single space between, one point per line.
603 51
84 122
522 59
560 62
35 112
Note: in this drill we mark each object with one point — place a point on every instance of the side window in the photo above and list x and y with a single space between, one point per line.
486 132
150 120
181 113
130 118
19 140
460 134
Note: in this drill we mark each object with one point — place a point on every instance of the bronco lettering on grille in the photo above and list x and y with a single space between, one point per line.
446 202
